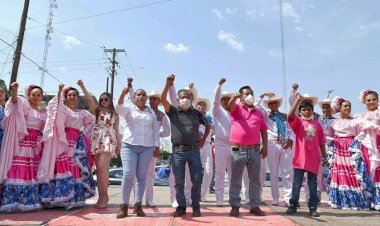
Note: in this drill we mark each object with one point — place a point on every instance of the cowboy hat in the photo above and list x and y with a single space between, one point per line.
204 100
323 102
272 99
313 99
226 94
156 94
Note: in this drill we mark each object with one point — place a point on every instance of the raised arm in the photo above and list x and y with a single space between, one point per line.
292 97
292 112
122 96
14 86
232 103
131 90
164 101
90 100
218 92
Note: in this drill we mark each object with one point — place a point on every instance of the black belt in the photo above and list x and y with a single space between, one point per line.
185 147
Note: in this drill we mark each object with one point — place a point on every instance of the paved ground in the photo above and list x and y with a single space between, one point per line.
211 215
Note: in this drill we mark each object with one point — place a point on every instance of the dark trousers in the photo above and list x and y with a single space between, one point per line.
297 184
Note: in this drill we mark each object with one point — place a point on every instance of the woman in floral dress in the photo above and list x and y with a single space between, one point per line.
105 141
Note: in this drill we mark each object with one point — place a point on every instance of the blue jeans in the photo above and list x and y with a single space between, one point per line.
297 184
135 161
241 158
178 159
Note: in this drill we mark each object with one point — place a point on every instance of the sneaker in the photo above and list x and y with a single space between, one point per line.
211 190
150 203
291 210
313 213
234 211
179 212
196 213
275 202
287 204
219 203
175 203
257 211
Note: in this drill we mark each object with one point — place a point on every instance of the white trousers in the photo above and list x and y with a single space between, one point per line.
150 176
280 164
245 185
222 162
208 168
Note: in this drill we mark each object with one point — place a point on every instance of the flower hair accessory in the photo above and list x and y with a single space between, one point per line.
362 95
336 103
28 89
67 89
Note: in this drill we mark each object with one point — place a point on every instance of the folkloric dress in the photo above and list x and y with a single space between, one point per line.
350 186
69 181
370 137
20 156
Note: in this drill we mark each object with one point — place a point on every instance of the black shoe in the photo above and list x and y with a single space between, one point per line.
179 212
211 190
196 213
234 211
291 210
313 213
257 211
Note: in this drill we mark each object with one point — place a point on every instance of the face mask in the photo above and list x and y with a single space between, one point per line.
185 103
307 118
249 99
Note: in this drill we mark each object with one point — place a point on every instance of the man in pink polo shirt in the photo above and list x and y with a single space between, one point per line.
247 125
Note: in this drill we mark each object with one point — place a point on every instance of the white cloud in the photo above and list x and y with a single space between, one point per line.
251 14
231 40
299 28
218 14
289 11
180 48
221 15
63 68
231 11
70 41
364 30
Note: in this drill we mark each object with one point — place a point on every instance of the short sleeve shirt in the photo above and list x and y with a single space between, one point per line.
185 125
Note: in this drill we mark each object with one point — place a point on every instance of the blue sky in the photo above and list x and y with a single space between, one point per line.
329 44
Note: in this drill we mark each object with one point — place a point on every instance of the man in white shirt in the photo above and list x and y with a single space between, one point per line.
280 140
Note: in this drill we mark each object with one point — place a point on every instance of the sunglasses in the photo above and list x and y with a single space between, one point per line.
104 99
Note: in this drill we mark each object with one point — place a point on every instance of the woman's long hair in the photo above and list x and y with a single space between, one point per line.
111 107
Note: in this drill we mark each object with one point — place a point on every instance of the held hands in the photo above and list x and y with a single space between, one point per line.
299 97
170 80
268 94
156 152
295 86
222 81
325 163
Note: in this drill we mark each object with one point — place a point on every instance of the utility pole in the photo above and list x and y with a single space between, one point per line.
20 39
283 56
108 81
114 62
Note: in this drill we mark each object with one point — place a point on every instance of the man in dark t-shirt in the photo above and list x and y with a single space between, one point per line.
186 141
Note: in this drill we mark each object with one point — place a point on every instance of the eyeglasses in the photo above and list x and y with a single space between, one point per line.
104 99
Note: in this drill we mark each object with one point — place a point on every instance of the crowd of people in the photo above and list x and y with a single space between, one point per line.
48 155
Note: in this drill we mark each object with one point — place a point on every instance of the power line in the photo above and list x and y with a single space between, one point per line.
110 12
39 67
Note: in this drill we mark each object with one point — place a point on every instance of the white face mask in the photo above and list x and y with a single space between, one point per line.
249 99
185 103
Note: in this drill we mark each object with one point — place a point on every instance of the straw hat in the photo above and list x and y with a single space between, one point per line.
272 99
155 93
313 99
323 102
227 94
200 99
